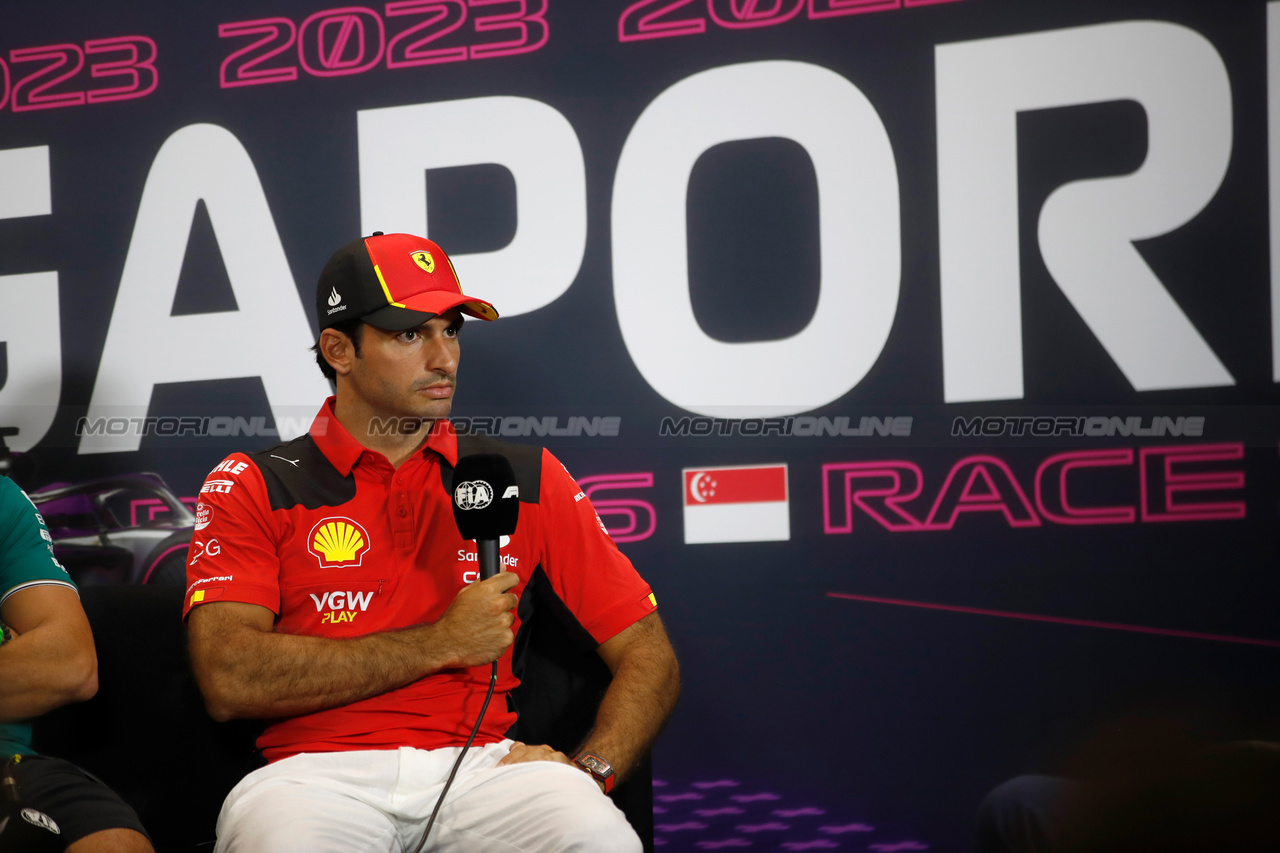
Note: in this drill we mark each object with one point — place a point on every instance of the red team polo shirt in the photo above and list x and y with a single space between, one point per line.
336 543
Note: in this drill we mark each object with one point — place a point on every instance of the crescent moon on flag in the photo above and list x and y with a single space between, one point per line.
695 487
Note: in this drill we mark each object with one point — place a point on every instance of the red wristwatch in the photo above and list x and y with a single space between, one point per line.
600 770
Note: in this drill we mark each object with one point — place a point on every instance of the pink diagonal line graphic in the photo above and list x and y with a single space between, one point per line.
340 44
1060 620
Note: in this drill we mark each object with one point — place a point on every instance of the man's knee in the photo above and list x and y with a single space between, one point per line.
284 836
560 809
290 818
249 827
1017 816
602 830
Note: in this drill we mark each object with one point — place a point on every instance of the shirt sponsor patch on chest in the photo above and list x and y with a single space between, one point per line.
341 605
338 542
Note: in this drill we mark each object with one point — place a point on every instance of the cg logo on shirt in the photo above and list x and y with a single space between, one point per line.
338 542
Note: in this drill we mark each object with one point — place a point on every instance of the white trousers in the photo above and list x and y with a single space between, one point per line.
379 800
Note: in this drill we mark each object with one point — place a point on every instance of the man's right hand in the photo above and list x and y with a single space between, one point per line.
477 626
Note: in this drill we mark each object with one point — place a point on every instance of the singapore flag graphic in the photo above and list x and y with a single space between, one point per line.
740 503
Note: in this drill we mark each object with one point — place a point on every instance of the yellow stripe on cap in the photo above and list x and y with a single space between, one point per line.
198 595
386 290
483 310
456 281
653 601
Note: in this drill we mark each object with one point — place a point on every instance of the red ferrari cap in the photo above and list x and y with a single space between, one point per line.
394 282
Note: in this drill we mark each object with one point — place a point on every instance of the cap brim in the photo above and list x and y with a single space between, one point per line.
420 308
393 319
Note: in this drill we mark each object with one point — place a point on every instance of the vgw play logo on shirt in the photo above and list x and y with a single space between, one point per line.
341 605
338 542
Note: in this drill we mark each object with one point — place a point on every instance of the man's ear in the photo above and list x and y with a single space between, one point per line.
338 349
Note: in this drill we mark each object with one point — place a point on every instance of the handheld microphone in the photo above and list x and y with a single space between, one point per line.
486 505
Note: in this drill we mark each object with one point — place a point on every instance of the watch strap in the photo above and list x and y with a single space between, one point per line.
600 770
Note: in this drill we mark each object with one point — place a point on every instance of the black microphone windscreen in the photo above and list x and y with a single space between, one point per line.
486 499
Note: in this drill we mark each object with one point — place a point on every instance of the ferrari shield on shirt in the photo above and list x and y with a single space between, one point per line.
337 543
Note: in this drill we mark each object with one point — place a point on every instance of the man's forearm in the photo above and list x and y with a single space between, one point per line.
265 675
41 671
246 669
50 660
646 683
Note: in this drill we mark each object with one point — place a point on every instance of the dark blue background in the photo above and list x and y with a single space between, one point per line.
896 717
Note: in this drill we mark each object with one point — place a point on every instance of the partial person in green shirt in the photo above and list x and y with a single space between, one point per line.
47 660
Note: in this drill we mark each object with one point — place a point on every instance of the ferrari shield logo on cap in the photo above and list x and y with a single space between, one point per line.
424 260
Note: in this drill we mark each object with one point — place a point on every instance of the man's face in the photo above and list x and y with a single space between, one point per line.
408 374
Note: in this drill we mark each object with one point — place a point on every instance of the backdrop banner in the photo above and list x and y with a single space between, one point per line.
922 354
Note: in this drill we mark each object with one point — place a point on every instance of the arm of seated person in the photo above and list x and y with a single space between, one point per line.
50 660
646 682
247 670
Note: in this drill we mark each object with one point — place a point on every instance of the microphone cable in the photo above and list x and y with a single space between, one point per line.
9 782
493 681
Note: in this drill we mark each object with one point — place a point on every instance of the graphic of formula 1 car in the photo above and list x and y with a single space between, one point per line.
125 530
128 529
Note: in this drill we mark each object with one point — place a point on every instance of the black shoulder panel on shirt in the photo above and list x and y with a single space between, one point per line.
297 472
525 459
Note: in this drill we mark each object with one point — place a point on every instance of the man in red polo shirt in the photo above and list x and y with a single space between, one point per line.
332 596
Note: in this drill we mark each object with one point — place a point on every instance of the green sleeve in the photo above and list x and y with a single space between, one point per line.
26 548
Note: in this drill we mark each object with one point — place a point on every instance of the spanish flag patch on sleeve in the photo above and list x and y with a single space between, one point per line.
208 594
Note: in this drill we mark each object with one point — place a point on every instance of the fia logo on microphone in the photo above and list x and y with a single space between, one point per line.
473 494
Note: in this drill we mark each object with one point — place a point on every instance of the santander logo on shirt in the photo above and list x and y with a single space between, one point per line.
468 555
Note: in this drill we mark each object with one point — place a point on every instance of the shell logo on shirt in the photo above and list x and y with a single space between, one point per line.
338 542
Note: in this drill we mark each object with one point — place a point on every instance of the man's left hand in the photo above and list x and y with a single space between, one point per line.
522 752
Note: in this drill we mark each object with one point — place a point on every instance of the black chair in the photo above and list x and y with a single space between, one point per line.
146 733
